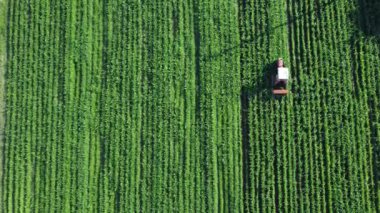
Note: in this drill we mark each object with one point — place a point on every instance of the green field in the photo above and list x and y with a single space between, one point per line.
166 106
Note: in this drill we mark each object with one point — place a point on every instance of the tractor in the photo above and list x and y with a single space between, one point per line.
280 79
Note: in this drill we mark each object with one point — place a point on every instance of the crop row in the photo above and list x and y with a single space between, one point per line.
114 105
314 149
166 106
3 30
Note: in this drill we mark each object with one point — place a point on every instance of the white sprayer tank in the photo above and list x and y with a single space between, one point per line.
282 73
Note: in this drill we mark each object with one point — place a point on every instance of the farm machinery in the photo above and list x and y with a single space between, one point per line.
280 79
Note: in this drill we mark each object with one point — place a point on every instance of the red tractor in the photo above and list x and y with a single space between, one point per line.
280 79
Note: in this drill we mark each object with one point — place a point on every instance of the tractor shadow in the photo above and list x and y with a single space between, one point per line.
263 85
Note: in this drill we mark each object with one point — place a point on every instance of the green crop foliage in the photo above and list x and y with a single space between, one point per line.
3 30
166 106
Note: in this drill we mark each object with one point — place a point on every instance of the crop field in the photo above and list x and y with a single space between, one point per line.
166 106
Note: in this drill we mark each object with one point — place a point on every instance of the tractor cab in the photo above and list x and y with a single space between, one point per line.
280 79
